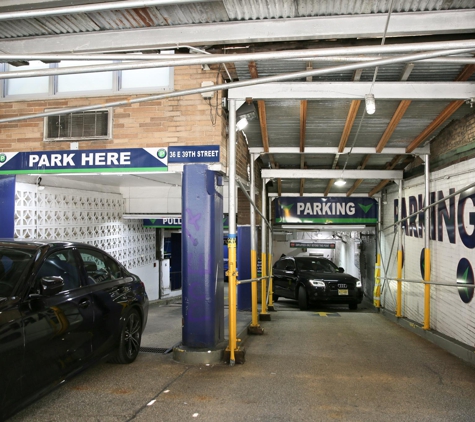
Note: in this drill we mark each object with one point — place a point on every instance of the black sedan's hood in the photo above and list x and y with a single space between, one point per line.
327 276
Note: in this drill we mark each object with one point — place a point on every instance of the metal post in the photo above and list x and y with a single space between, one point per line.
264 316
427 247
254 328
269 261
377 267
232 234
399 257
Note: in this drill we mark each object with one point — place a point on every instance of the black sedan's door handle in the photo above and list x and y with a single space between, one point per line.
84 303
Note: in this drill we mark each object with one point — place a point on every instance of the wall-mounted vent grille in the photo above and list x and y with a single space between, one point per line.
87 125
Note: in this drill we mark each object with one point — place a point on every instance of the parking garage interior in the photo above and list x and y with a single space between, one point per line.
105 106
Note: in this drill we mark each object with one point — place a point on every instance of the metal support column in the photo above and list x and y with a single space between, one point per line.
427 247
269 261
377 267
232 295
254 328
264 316
399 257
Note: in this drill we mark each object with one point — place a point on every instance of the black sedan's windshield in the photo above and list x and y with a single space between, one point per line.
317 265
13 261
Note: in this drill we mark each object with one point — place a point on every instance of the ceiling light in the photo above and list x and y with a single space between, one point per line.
370 103
241 124
247 110
340 182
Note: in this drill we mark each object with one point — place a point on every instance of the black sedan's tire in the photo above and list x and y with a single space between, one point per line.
130 338
303 299
275 298
353 306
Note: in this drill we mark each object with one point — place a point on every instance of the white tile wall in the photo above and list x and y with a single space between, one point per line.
90 217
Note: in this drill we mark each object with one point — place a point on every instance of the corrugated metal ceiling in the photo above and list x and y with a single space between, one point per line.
325 119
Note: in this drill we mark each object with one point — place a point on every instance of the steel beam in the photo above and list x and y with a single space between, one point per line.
331 174
272 30
357 90
334 150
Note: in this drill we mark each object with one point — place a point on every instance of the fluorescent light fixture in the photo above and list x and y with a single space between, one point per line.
241 124
340 182
370 103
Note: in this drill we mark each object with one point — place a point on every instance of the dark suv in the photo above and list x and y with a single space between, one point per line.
312 280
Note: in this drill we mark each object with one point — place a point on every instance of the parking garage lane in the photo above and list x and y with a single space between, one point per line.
307 366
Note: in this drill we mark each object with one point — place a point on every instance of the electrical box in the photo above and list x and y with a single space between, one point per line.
207 95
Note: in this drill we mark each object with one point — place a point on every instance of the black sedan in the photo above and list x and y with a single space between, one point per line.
63 306
314 281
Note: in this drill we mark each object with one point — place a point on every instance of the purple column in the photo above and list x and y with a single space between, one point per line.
202 257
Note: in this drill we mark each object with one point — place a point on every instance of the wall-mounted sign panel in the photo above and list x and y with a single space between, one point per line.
131 160
171 222
331 210
194 154
312 245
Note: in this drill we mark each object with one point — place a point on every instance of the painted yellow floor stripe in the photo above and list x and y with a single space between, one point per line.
327 314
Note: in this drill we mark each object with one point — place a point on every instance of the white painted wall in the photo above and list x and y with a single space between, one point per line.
449 314
149 275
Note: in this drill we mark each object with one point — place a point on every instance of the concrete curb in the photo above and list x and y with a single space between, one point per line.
455 347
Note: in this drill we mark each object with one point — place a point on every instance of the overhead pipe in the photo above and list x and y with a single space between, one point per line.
87 8
153 56
460 46
250 82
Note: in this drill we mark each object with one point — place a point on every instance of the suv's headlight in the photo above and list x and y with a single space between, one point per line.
317 283
358 283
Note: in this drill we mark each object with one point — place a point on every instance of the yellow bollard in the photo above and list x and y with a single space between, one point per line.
232 298
377 283
263 284
399 285
254 319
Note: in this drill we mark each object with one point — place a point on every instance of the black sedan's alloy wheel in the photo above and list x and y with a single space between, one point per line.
130 338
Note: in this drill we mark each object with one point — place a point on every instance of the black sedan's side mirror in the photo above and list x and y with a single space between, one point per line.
341 269
52 285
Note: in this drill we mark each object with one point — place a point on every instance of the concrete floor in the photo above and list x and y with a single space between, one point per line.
321 365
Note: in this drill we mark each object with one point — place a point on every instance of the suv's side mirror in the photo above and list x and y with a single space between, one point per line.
289 268
341 269
52 285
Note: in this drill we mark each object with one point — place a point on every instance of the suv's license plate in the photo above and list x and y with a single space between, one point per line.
342 292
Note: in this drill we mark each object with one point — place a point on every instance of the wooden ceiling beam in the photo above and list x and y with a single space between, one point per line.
350 120
359 181
261 109
383 183
453 106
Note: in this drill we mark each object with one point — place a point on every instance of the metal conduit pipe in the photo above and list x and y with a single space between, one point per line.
250 82
86 8
148 57
432 283
470 186
459 48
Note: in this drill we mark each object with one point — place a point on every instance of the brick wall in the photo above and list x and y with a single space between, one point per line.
175 121
457 134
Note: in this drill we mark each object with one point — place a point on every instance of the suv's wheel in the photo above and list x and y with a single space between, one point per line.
353 306
275 298
303 299
130 337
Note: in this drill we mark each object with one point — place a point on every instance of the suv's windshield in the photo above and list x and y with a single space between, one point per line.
13 261
317 265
